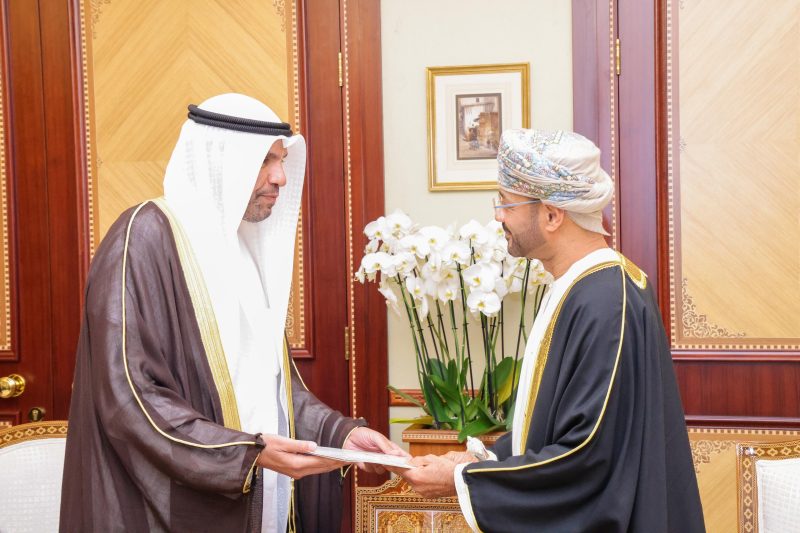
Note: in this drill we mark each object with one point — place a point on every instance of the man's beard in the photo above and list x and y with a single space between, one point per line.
255 213
526 241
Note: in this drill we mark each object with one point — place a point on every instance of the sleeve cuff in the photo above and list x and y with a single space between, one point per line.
463 497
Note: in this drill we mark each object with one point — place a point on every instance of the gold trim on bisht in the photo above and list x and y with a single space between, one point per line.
125 352
608 390
206 320
544 350
288 363
634 272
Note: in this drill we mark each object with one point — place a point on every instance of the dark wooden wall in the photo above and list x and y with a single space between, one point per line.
627 116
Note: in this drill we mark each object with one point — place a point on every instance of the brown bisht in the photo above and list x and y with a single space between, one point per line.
147 447
605 446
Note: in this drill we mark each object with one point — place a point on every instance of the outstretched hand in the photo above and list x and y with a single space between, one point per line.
288 456
368 440
432 476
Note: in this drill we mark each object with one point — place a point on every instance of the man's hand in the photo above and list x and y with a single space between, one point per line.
367 440
460 457
288 456
432 477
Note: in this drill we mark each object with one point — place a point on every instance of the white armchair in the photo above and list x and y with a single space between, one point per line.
32 463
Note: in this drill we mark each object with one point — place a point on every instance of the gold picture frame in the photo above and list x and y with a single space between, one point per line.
468 108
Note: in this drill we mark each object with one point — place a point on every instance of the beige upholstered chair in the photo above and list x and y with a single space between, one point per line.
32 462
769 490
730 484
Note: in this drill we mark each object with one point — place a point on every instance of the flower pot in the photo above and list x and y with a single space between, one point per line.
424 440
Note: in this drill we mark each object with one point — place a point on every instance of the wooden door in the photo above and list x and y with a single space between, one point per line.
41 216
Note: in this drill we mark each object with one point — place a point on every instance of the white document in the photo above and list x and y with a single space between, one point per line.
352 456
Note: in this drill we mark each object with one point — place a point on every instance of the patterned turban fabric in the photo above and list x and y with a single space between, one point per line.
561 168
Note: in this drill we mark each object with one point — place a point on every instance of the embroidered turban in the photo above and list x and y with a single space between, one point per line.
562 168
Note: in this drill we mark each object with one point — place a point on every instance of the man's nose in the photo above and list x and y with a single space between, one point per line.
278 177
498 215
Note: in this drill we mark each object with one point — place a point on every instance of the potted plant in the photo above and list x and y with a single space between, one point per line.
453 287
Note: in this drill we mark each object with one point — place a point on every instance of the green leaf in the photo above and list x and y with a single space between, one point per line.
437 368
452 374
434 402
488 414
476 428
510 417
449 391
426 420
471 411
407 397
505 380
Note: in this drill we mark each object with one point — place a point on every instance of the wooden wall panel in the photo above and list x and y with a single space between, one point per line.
149 59
595 92
735 117
145 61
369 366
723 384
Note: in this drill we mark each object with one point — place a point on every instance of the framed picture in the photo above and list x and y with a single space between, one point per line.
468 108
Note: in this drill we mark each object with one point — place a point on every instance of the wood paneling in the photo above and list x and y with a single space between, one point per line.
364 149
68 228
752 388
730 251
149 60
595 98
28 171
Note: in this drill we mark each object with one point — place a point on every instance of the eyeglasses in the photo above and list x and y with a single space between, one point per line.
497 203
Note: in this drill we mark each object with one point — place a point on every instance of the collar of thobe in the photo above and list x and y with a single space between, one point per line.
554 293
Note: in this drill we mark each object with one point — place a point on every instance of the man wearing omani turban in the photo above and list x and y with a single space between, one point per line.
599 440
186 410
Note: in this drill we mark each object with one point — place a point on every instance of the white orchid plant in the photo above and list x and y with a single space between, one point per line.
447 282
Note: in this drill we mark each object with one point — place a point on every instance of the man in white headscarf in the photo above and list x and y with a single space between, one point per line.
598 441
187 411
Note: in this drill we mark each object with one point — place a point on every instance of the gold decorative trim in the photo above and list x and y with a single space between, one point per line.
395 495
50 429
351 338
125 351
697 325
613 117
206 320
350 232
6 339
97 10
702 450
673 313
87 124
288 364
747 455
280 9
524 69
544 350
634 272
417 433
296 317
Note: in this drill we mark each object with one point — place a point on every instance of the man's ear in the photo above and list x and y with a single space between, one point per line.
554 217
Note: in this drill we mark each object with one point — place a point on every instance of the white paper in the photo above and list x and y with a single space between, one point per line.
352 456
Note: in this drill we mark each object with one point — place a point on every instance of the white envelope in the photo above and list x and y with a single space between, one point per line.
352 456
